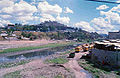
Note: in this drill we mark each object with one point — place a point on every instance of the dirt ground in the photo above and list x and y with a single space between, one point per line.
38 69
74 66
22 43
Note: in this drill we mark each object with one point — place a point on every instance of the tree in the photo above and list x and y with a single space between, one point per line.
9 32
52 28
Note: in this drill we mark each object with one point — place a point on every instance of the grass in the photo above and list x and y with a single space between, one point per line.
58 60
97 71
41 77
68 52
8 65
90 68
15 74
51 45
59 76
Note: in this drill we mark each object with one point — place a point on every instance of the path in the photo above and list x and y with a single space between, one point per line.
74 66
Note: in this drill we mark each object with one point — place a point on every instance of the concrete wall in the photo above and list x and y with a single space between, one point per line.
109 57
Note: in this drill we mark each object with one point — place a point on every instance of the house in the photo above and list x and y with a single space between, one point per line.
3 34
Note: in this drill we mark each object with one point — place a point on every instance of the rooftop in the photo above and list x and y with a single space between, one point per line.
108 43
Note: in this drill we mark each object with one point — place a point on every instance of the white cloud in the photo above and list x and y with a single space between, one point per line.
68 10
52 13
117 9
45 7
64 20
102 23
27 18
102 7
5 3
3 23
6 17
25 12
21 11
22 8
108 21
47 17
85 26
112 17
118 1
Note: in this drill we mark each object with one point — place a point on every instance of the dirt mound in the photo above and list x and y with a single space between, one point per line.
50 71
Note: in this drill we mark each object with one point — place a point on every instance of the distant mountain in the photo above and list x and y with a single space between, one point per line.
52 26
104 35
70 32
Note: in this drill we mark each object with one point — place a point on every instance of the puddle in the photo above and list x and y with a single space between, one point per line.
88 75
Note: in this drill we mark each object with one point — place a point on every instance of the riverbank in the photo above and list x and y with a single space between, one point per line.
98 71
53 66
36 53
49 45
39 67
23 43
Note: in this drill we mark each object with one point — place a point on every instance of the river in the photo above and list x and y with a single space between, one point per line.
36 54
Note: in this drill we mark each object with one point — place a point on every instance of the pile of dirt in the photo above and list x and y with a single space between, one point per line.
50 71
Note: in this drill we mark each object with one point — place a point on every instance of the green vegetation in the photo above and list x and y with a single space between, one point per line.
57 31
52 45
8 65
97 72
9 32
67 52
58 60
15 74
59 76
41 77
29 35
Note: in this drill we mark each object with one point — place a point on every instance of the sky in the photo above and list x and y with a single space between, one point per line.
89 16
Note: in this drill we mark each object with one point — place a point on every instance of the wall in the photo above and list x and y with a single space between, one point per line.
108 57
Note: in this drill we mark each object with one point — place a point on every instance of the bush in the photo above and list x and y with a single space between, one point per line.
29 35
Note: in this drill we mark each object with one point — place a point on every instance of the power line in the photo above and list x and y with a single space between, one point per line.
104 1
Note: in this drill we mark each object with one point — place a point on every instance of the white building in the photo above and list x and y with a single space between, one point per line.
3 34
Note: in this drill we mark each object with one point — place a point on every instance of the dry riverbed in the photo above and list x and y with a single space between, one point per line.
23 43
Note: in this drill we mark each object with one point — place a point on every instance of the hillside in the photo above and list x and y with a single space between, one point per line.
55 30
